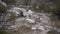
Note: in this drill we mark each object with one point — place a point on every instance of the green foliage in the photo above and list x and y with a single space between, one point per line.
8 2
22 2
44 6
2 8
2 31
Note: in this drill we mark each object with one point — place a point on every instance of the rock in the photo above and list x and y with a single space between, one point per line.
36 16
35 22
16 10
25 27
0 26
12 27
29 11
41 28
58 29
30 20
20 19
41 18
33 28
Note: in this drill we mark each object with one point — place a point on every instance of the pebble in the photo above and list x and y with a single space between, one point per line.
30 20
33 28
41 28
